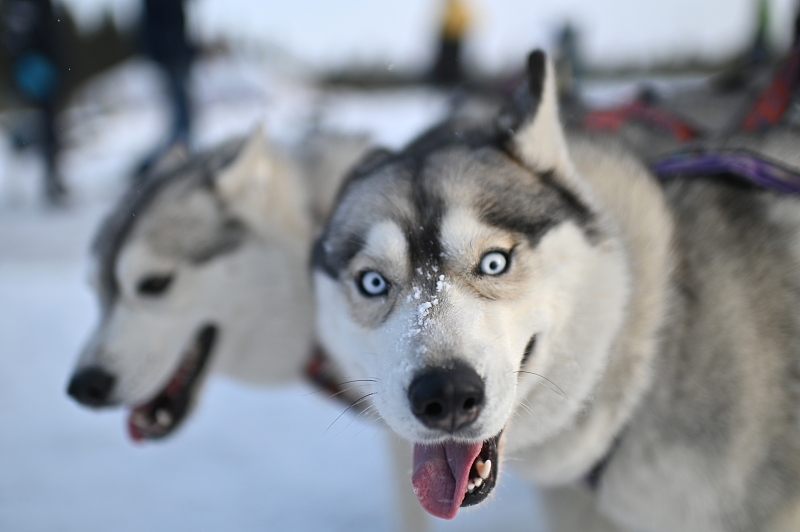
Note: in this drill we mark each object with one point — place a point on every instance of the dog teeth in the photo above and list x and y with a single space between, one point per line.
163 417
483 468
474 483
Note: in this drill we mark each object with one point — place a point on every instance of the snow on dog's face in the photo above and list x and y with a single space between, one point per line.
449 270
187 286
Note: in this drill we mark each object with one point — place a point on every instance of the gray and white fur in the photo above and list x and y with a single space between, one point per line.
227 232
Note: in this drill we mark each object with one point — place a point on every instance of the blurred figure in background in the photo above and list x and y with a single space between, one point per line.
569 64
759 52
448 70
30 36
164 41
755 59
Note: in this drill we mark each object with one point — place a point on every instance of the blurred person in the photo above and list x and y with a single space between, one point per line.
759 52
30 36
448 69
163 36
755 59
569 63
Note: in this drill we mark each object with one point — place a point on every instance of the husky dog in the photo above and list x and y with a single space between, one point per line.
202 269
512 290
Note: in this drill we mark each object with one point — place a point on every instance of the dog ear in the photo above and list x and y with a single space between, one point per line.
533 120
257 187
177 155
248 172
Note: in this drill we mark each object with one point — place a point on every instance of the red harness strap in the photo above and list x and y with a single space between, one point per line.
321 371
776 97
648 113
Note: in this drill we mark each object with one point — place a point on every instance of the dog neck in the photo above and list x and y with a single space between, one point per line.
635 204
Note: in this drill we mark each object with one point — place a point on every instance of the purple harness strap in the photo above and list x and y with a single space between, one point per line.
750 167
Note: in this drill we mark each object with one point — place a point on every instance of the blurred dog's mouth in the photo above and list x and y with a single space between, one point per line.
451 475
160 416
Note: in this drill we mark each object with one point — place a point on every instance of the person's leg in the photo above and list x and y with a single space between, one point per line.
177 79
55 189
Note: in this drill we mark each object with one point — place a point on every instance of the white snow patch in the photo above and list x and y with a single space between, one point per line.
441 284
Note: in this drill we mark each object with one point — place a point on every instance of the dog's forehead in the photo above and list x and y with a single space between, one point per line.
134 206
448 169
416 190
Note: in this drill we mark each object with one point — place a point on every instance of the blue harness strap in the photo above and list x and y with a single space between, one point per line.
752 168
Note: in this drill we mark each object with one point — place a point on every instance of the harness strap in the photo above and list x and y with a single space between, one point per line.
750 167
773 101
644 112
768 109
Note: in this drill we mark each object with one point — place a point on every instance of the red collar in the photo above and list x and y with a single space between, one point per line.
322 372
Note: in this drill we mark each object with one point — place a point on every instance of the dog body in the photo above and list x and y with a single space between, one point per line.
510 290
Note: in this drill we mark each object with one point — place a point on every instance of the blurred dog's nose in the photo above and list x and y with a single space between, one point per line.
91 386
447 399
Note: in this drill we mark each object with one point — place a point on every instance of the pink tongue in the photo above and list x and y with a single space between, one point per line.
441 475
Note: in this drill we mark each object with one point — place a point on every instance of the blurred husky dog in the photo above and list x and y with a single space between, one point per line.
634 346
203 268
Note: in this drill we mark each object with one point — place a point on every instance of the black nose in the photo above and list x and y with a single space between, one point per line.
447 399
91 386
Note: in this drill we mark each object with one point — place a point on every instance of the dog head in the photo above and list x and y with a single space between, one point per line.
460 275
198 269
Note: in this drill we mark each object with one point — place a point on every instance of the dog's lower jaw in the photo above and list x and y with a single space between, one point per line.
160 416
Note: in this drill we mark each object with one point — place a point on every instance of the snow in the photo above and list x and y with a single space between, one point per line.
248 459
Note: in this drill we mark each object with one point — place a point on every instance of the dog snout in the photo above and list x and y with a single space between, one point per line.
447 399
91 386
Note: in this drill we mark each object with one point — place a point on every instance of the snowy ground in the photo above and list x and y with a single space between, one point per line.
249 459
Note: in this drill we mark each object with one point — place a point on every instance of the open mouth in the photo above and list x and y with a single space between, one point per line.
451 475
164 413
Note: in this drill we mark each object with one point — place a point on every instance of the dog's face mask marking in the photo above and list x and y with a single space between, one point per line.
442 270
473 287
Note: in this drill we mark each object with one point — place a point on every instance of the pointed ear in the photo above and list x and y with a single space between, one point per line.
260 189
533 120
175 156
249 171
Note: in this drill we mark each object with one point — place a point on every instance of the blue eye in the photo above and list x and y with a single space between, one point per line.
494 263
373 284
